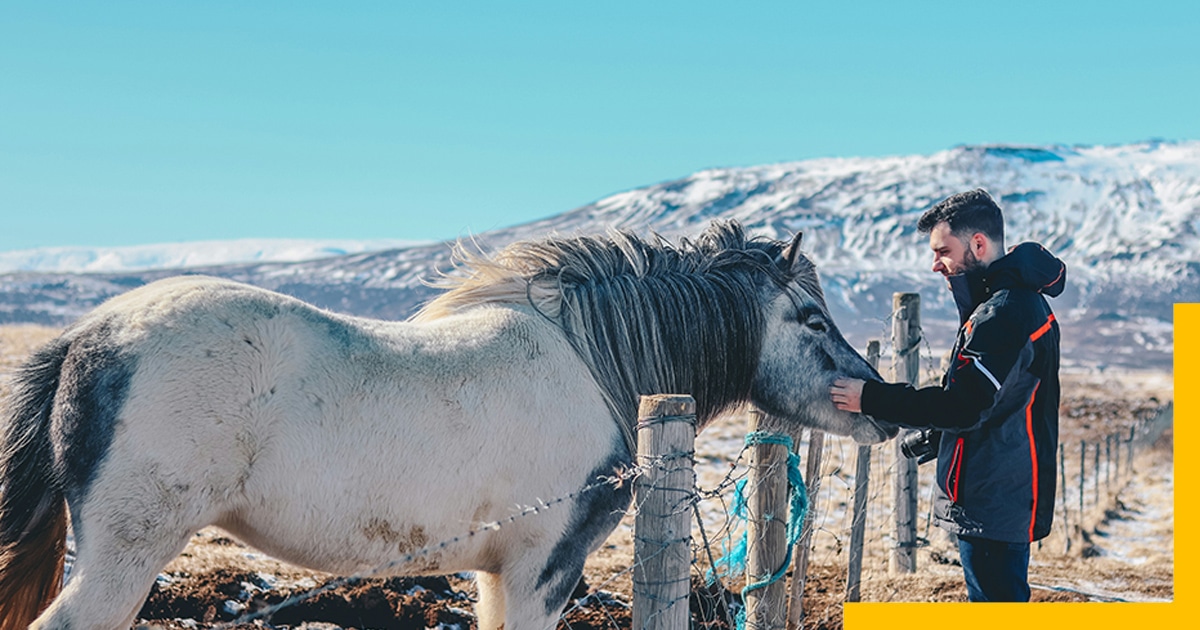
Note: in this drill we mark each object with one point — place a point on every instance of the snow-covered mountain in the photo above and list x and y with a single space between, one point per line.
1124 218
186 254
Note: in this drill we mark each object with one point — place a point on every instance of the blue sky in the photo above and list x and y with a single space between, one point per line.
139 122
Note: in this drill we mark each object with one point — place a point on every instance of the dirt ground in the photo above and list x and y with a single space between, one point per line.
1121 549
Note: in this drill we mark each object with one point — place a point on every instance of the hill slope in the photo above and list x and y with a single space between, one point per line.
1124 218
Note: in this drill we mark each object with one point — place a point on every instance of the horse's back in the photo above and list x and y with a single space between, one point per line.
183 305
190 324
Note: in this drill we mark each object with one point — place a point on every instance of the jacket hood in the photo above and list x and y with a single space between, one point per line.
1027 266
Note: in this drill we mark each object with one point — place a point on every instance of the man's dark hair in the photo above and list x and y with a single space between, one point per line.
966 213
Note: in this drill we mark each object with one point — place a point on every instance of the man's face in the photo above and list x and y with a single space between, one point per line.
951 256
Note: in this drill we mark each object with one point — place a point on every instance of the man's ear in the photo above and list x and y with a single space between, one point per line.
792 251
980 247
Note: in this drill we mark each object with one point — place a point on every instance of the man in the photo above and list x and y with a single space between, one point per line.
997 409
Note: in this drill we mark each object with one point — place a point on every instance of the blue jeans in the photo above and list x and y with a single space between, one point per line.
995 571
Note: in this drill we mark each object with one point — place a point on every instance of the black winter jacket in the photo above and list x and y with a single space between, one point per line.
997 408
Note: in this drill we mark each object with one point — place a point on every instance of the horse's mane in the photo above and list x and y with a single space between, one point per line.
646 316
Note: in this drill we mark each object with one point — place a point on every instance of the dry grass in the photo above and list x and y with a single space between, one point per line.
16 343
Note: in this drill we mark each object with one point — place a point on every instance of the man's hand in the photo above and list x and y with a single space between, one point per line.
846 394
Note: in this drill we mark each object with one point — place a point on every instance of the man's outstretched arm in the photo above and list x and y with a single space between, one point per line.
928 407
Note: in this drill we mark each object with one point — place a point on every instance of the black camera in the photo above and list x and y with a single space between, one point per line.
921 445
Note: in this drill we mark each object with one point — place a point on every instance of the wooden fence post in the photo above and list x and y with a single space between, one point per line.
858 522
906 340
1096 481
766 531
1117 458
812 485
1108 464
1082 477
1132 431
662 527
1062 474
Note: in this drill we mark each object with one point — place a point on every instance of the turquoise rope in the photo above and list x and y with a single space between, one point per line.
735 561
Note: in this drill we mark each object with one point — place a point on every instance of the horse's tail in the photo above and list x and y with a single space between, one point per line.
33 514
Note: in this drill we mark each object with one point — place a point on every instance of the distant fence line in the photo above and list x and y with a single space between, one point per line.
1103 466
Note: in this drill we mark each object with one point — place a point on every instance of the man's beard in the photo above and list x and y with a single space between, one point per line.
970 262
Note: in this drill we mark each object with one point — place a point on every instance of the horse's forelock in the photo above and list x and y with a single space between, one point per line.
727 239
804 274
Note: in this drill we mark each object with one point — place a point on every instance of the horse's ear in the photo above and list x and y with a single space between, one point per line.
793 251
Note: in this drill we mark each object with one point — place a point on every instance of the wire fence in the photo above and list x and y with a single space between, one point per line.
714 601
1091 471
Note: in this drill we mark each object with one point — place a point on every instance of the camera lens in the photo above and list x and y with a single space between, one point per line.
917 444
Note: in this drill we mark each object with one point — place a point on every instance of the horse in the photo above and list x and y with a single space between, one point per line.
344 444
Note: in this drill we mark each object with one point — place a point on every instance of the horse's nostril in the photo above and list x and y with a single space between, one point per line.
827 362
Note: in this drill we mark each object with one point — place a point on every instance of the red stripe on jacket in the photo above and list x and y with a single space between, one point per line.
1061 270
1037 334
1032 457
955 472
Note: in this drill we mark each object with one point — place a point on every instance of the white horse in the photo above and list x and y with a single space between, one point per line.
343 444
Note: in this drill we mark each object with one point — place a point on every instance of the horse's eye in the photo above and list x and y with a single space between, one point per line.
817 323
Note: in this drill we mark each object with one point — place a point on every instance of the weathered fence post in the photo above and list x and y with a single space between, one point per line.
662 527
858 522
812 484
906 340
1108 464
1132 431
1096 481
1117 458
1082 479
766 530
1062 475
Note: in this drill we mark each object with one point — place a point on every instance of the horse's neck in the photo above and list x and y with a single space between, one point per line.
507 326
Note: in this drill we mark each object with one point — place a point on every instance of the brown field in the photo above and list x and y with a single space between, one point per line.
1121 549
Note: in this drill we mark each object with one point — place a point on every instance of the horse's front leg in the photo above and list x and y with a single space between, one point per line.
490 609
537 580
533 593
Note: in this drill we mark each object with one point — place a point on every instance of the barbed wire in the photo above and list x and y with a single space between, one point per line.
616 480
689 500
